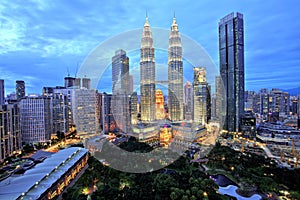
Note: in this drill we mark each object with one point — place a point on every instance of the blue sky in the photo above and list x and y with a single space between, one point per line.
40 39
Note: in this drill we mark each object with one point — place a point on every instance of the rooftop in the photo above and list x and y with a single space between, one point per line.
34 182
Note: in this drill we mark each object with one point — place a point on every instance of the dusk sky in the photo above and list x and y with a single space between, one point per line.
41 39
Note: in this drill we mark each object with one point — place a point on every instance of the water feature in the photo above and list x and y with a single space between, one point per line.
228 187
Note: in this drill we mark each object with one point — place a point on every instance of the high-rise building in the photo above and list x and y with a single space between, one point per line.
231 52
120 72
279 102
77 82
248 125
175 75
120 93
60 109
213 106
188 101
130 85
69 81
1 91
147 75
20 89
84 111
62 116
10 133
220 100
36 119
86 83
159 105
109 124
201 96
134 108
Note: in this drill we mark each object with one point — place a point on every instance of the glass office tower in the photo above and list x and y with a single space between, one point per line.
231 52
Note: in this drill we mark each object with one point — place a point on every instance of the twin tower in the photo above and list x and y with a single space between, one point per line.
147 75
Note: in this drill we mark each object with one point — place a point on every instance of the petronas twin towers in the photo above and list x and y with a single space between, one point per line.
147 75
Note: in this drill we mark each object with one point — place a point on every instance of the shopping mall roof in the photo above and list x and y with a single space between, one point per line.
34 182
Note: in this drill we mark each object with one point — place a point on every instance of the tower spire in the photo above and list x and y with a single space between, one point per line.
147 22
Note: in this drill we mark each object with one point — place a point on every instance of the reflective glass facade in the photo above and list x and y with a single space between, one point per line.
231 52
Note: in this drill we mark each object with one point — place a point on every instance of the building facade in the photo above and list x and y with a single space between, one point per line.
231 52
10 130
175 75
84 110
120 90
36 119
20 89
147 75
201 96
188 101
159 105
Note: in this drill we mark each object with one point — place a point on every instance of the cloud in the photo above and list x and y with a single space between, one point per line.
42 38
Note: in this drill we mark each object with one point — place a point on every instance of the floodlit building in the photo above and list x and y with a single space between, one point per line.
175 74
147 75
160 105
201 96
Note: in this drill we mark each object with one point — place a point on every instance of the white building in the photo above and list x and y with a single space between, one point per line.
84 110
36 119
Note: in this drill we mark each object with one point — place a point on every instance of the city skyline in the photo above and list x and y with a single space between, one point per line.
41 46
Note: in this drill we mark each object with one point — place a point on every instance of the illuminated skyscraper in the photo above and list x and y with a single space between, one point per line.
231 51
20 89
201 96
175 72
160 105
147 75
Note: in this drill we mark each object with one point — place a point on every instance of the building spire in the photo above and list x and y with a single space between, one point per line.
174 24
147 22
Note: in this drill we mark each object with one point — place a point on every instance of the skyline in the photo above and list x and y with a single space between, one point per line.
49 37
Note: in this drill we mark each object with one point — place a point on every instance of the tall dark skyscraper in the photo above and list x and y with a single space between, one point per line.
175 72
147 75
231 52
20 89
1 91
